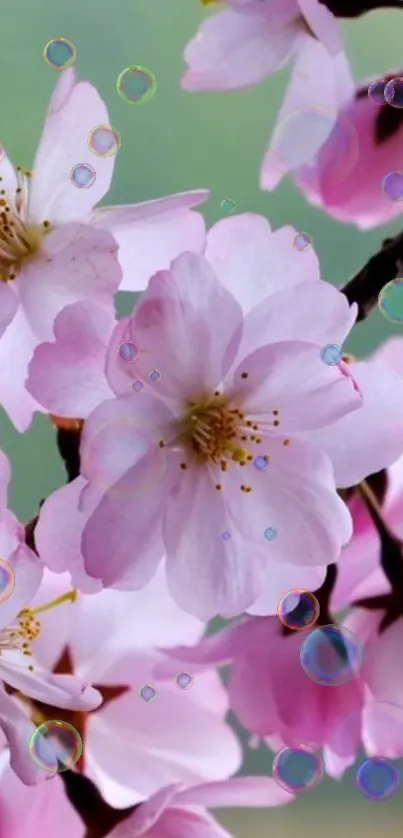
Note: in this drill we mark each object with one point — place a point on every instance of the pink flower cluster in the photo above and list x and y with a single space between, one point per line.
225 457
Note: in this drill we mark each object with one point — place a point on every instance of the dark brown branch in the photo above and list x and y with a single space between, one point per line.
68 444
364 288
98 817
355 8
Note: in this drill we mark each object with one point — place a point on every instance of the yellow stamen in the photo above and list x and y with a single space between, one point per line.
71 596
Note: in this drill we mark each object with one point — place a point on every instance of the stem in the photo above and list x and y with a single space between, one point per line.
364 288
391 547
98 816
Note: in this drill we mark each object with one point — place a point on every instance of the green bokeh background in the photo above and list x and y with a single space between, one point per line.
183 141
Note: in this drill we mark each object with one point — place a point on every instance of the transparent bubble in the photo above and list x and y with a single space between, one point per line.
302 242
55 746
394 92
270 534
331 354
83 175
228 206
392 186
331 656
104 141
376 91
323 140
59 53
137 386
297 770
7 580
148 693
261 463
378 779
298 609
390 301
225 536
154 376
184 681
136 85
128 351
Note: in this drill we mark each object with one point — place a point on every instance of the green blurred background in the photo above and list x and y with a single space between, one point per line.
176 142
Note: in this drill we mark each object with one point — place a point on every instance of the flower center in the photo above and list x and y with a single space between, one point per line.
213 432
19 238
27 628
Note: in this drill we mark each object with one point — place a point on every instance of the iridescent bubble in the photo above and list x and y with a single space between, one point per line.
298 609
148 693
331 354
104 141
392 186
378 779
128 351
324 141
7 580
302 242
59 53
270 534
228 205
390 301
376 91
137 386
394 92
297 769
136 85
154 375
184 681
55 746
225 536
331 656
83 175
261 463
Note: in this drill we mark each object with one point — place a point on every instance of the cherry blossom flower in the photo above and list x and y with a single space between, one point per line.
19 630
249 40
271 334
55 250
132 746
179 811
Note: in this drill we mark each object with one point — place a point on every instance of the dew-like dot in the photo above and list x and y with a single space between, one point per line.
392 186
331 354
55 746
261 463
390 301
331 656
378 779
376 91
184 681
148 693
137 386
83 175
7 580
104 141
128 351
394 92
59 53
228 206
298 609
297 770
136 85
270 534
225 536
302 242
154 375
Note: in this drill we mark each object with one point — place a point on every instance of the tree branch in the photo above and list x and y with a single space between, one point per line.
364 288
98 817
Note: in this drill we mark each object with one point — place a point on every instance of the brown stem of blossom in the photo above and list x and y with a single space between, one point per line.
323 595
68 444
98 817
364 288
355 8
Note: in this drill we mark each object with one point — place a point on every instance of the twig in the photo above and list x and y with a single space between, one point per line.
364 288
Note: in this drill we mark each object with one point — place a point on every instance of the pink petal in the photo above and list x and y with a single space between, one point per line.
233 50
290 377
173 823
237 792
38 812
58 534
121 374
27 575
227 582
17 346
63 691
281 578
153 233
319 84
67 376
75 109
8 306
323 24
5 477
185 313
85 265
253 262
18 730
370 438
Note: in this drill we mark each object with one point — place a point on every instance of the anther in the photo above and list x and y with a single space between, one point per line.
286 442
244 374
184 466
161 443
218 487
